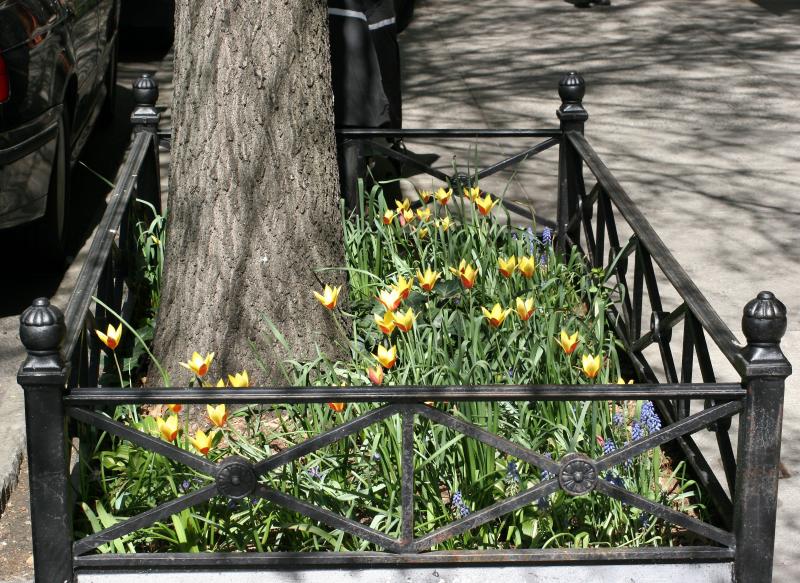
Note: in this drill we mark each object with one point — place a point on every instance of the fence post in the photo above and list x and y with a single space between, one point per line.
573 116
145 118
756 498
43 378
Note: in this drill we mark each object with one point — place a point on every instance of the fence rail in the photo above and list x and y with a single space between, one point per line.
63 385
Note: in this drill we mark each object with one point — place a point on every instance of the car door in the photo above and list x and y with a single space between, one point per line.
83 22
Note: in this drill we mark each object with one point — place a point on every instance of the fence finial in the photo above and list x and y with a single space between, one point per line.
42 329
764 324
145 94
571 89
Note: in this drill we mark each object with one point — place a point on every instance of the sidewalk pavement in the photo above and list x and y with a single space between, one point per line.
692 107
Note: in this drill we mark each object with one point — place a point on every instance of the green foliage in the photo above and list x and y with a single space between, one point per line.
451 342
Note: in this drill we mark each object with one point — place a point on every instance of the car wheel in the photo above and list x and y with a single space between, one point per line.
110 82
52 233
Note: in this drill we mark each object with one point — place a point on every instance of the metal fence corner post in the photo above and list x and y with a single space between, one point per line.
145 118
756 498
43 379
573 116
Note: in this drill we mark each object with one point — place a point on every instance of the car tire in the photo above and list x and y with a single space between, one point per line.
52 234
110 82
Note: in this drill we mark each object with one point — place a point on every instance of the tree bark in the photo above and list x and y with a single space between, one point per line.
253 202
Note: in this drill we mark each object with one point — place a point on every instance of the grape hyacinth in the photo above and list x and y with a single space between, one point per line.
531 239
614 479
609 446
545 474
619 418
512 472
547 236
314 473
636 431
649 417
459 507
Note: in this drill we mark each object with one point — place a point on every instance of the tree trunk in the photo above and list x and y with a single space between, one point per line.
253 201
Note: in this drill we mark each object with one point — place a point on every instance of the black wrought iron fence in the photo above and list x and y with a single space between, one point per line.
61 385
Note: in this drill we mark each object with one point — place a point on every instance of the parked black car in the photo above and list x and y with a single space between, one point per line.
57 78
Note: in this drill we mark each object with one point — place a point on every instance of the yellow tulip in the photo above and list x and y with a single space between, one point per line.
240 380
524 308
385 324
497 316
425 195
403 205
175 408
404 322
197 364
567 342
406 217
390 299
422 233
201 441
443 196
428 279
168 428
111 337
329 296
388 217
218 415
444 224
621 381
485 204
387 357
466 273
424 214
591 365
403 286
507 266
526 266
375 375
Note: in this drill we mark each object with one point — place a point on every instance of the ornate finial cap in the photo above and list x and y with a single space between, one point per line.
41 326
764 319
571 88
145 91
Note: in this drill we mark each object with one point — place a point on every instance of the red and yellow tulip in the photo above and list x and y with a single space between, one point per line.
375 375
568 342
507 266
404 322
424 214
485 204
111 337
496 316
444 224
175 408
403 286
218 415
329 296
524 308
472 193
466 273
443 196
168 428
621 381
388 217
590 365
197 364
337 407
385 324
201 441
527 266
428 279
387 357
390 299
425 195
402 205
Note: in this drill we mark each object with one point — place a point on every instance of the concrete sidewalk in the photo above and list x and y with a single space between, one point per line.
692 106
